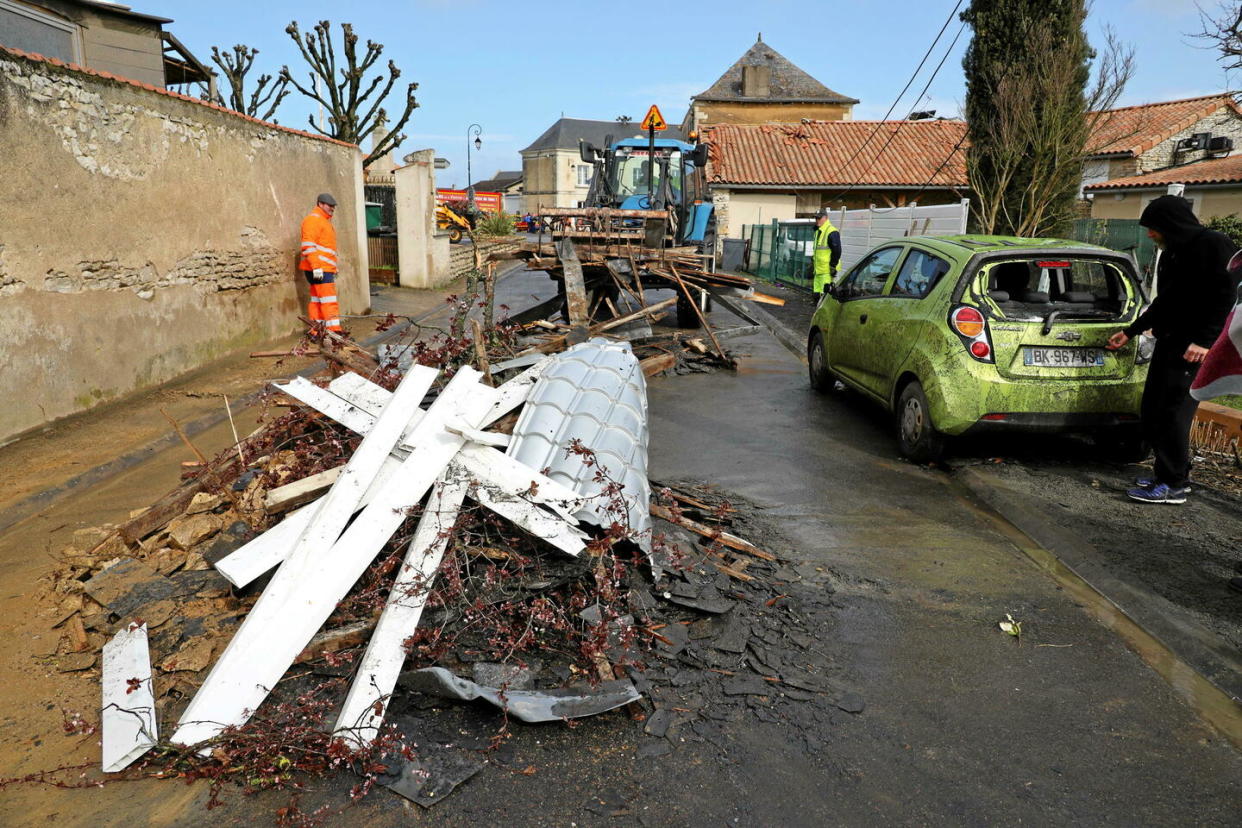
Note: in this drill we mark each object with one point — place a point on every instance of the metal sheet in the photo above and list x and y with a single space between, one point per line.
528 705
594 393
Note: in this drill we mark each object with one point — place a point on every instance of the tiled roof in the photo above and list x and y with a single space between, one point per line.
37 58
1212 171
567 132
787 83
839 153
1133 130
502 180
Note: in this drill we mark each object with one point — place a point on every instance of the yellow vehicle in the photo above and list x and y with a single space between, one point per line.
456 224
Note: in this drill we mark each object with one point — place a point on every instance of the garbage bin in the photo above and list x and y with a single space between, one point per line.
734 255
375 215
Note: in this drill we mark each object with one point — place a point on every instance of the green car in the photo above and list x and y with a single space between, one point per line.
967 334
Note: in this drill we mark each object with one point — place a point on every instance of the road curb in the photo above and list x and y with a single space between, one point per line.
795 342
1195 663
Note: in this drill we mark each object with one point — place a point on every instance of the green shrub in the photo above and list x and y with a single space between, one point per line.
495 225
1230 225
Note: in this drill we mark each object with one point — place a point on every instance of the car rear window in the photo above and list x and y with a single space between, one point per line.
1036 285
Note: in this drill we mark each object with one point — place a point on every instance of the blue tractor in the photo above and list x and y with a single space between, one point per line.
662 176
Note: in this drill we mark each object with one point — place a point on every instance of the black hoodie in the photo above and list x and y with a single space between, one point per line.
1194 290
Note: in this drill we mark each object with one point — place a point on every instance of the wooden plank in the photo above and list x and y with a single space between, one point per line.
287 613
655 364
367 701
325 402
310 583
300 491
272 547
575 285
731 541
129 722
649 310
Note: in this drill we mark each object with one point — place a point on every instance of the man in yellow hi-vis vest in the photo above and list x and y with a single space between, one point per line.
827 256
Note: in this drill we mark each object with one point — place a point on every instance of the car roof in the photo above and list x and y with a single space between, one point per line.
967 245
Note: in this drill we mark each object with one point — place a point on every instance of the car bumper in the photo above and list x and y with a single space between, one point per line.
985 401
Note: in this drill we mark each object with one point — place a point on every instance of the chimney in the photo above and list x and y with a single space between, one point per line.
756 81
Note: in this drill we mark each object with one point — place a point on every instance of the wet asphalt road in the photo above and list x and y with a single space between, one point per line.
962 724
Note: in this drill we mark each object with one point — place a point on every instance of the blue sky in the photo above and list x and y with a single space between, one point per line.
515 68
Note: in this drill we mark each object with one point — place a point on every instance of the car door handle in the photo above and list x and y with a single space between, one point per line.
862 320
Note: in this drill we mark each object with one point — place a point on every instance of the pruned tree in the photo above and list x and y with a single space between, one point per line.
1032 110
268 93
344 92
1224 32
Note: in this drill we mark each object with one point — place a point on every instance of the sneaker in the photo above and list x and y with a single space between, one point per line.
1148 482
1159 493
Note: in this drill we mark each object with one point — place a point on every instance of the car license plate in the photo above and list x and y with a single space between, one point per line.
1063 357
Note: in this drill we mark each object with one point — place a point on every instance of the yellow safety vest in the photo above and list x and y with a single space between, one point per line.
822 257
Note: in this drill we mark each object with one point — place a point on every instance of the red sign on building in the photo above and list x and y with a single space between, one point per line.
487 202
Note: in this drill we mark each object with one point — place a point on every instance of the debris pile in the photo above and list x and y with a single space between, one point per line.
497 542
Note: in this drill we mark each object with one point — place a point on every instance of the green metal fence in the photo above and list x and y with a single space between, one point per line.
780 252
1124 235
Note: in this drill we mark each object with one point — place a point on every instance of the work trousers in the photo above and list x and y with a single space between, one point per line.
323 305
1168 411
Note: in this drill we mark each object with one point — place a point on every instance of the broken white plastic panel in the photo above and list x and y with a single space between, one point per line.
367 702
310 583
361 401
128 720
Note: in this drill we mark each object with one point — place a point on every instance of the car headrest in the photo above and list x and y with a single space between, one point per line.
999 295
1034 297
1077 296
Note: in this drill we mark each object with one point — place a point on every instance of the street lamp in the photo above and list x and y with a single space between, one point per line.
476 131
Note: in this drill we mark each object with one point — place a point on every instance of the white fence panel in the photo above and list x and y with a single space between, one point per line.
863 229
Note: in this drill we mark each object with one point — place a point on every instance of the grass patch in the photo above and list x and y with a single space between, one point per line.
1231 401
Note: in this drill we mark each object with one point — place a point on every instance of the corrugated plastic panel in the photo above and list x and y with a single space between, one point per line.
595 393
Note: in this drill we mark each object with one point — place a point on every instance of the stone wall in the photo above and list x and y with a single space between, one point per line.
144 233
461 256
1224 122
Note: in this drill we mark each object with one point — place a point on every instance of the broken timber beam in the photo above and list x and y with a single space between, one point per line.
731 541
575 286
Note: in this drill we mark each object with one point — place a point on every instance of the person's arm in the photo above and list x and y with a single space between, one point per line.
834 244
1153 314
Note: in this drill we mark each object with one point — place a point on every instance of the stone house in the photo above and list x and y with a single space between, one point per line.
509 184
104 37
1135 141
1213 186
761 172
764 86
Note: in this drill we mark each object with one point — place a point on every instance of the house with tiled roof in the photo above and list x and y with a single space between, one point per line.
764 86
1142 149
761 172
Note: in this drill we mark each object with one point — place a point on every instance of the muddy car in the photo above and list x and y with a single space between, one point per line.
966 334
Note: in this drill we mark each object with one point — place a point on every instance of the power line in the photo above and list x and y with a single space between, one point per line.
900 124
906 88
943 164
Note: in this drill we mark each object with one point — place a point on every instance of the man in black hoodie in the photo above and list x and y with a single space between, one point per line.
1194 294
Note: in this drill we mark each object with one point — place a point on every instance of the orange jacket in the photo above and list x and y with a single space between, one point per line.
318 242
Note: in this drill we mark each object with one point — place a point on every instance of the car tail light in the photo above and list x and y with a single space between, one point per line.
969 323
996 418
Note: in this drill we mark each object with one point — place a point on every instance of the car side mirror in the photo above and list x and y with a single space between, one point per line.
699 156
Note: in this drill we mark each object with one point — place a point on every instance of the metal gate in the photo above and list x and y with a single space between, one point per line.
1123 235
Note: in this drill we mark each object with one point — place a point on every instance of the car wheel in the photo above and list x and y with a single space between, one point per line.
916 434
817 364
1123 445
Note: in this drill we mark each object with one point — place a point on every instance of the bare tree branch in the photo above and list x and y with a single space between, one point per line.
268 93
344 90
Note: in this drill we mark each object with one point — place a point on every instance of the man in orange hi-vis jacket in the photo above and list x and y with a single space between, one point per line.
318 263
